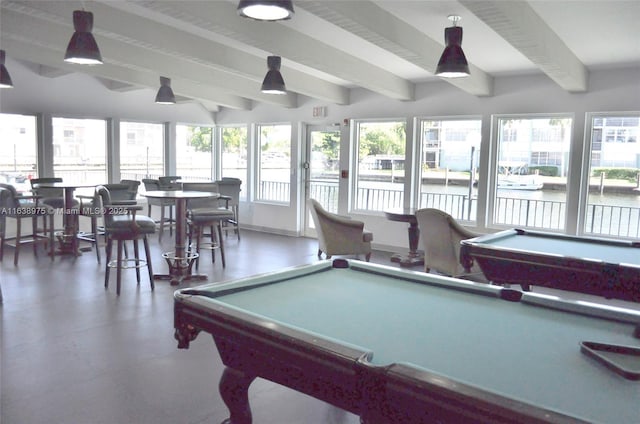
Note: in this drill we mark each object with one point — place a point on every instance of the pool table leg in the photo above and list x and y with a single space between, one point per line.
234 389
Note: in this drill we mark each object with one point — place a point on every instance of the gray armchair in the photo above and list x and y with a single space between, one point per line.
339 235
441 236
18 207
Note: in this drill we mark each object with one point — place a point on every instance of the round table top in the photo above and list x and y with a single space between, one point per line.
401 214
179 194
64 185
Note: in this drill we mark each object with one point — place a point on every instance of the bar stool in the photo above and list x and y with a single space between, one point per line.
121 223
13 205
207 213
153 185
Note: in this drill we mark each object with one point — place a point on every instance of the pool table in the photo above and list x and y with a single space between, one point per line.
609 268
398 346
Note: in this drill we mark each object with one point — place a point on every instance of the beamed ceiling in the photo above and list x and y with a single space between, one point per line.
217 58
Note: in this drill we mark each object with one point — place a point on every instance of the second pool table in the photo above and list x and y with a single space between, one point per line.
395 346
609 268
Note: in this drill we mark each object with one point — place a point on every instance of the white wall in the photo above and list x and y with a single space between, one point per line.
617 90
77 95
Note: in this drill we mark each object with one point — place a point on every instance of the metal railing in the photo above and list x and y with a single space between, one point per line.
604 220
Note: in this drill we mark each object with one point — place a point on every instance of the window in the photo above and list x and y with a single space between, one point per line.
19 147
141 150
274 170
80 147
194 153
234 154
612 207
379 154
535 157
449 157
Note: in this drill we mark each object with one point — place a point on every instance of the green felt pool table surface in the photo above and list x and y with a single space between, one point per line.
521 350
583 248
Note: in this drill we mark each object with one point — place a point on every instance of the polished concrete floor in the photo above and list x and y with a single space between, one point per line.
75 353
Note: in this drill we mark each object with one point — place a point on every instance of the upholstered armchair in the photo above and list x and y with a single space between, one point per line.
339 235
441 235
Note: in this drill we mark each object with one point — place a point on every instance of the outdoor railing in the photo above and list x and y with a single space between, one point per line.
604 220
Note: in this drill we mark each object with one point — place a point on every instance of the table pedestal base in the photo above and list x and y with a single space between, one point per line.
410 259
180 268
67 244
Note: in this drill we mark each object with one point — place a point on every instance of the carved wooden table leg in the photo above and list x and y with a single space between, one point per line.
234 389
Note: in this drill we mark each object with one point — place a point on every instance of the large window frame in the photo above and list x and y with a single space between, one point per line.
610 206
144 143
387 163
77 143
234 154
447 159
19 159
515 138
195 152
273 151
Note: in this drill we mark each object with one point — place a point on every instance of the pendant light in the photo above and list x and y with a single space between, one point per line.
266 10
82 48
273 82
5 78
453 63
165 94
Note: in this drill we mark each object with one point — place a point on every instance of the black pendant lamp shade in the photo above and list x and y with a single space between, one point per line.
273 82
266 10
453 63
165 94
5 78
82 47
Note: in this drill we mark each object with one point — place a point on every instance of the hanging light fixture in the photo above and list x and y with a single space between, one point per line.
273 82
165 94
82 48
453 63
266 10
5 78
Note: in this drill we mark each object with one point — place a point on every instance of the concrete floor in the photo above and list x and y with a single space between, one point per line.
75 353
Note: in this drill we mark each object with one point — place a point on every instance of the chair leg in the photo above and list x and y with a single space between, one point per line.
147 253
161 223
107 250
221 244
136 253
96 236
212 237
3 221
34 224
368 256
119 267
52 242
198 236
16 254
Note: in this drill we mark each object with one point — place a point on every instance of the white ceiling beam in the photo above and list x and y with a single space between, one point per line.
278 39
42 24
374 24
137 23
524 29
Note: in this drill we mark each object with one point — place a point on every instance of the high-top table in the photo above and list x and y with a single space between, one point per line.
408 215
68 240
181 260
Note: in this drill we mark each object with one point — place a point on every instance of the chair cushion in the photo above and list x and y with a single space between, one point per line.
122 225
199 215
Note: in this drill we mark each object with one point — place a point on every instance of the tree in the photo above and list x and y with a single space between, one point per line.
200 138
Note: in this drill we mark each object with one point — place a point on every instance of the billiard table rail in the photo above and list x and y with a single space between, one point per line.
519 266
342 374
